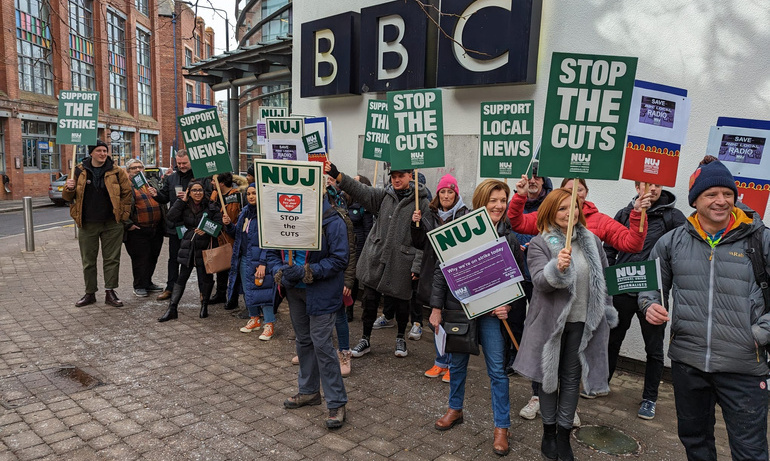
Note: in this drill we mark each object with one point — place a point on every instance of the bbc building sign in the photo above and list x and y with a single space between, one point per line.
397 46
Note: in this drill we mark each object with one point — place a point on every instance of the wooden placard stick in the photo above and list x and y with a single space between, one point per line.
416 195
291 259
219 194
510 333
376 164
571 222
644 210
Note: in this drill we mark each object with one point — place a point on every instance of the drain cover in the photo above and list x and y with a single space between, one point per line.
605 439
18 390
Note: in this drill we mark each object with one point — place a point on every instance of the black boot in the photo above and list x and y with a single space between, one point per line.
219 297
171 313
548 444
205 301
563 446
232 303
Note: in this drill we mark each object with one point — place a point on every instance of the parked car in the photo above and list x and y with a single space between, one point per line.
155 172
54 191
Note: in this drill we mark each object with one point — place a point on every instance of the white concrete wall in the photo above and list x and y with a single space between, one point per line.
718 51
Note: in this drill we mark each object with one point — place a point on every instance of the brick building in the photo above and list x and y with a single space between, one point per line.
119 48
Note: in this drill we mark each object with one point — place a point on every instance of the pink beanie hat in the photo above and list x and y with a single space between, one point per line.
448 181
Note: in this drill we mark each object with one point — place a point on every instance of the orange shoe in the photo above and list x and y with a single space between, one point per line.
436 371
255 323
446 377
267 333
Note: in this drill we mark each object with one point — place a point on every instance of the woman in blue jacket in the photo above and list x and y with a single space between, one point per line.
251 271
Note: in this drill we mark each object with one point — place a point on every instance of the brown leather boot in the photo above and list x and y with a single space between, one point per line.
500 445
111 298
449 420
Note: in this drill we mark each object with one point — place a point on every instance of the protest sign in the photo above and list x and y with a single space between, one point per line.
377 135
462 234
285 128
208 226
286 149
205 143
656 131
78 117
180 231
272 111
740 145
633 277
317 126
139 180
416 128
506 138
261 133
290 198
586 115
312 142
236 197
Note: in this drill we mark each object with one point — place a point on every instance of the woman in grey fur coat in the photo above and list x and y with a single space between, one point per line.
567 328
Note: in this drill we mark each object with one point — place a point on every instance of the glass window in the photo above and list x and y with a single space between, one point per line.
81 152
148 148
2 148
199 92
197 40
189 93
82 45
280 99
188 57
144 90
208 50
116 38
121 148
280 26
33 46
142 6
39 146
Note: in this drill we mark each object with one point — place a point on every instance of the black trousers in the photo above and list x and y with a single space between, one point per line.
173 265
559 407
143 246
743 399
415 308
205 281
371 303
653 335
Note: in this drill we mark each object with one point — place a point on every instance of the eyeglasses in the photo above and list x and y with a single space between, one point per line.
138 167
196 191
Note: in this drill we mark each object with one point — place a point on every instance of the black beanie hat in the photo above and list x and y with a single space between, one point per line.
99 142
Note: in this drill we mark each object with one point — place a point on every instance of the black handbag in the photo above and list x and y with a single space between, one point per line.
462 333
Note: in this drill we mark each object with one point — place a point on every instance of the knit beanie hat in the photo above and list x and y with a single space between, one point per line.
711 174
99 142
448 181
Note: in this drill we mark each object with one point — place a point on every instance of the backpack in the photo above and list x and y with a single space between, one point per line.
758 264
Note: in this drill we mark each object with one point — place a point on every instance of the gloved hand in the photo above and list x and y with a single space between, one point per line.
332 170
293 274
308 278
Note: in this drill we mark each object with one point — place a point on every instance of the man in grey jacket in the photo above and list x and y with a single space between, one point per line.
719 327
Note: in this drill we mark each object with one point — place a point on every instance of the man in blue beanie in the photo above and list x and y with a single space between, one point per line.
719 322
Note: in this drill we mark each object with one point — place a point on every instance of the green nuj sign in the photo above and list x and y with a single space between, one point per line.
506 138
586 115
205 143
416 128
377 136
78 116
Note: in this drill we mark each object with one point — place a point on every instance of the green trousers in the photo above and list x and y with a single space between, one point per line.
110 234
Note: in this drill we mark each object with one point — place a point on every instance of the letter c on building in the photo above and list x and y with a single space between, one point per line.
462 57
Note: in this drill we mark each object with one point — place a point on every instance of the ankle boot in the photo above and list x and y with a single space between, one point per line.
563 447
204 309
171 313
548 444
205 295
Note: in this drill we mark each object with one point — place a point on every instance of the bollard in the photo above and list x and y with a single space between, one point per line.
29 229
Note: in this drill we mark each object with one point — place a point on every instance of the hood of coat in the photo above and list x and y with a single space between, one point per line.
240 183
666 200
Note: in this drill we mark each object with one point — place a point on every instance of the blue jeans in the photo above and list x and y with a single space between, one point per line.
343 330
247 278
493 346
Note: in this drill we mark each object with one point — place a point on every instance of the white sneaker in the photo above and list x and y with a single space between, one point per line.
576 420
531 409
382 322
416 332
401 348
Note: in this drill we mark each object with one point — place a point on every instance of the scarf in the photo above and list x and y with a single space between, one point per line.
450 213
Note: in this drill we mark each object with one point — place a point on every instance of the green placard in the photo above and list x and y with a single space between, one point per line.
268 111
233 198
586 115
463 234
632 277
416 127
312 142
377 136
180 231
505 138
205 143
208 226
138 180
78 116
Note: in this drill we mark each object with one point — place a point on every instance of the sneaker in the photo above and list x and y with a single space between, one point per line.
445 379
140 292
267 333
336 417
531 409
361 348
382 322
436 371
255 323
647 410
344 357
592 395
576 420
416 332
295 360
401 347
300 400
155 288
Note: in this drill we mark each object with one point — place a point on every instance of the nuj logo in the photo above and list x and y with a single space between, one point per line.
630 271
418 155
652 162
581 158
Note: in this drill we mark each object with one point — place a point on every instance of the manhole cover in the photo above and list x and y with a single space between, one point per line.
605 439
18 390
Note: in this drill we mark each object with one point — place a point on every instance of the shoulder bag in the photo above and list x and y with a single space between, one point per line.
462 334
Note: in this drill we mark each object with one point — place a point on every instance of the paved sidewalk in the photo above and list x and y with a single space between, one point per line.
199 389
7 206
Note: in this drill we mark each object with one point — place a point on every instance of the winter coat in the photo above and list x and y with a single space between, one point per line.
167 193
717 311
235 204
255 296
362 223
531 206
324 293
552 297
115 180
191 250
152 182
388 258
627 239
662 217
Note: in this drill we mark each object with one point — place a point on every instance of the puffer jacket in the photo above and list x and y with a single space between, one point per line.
118 187
167 193
552 298
717 321
662 217
191 250
627 239
388 258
